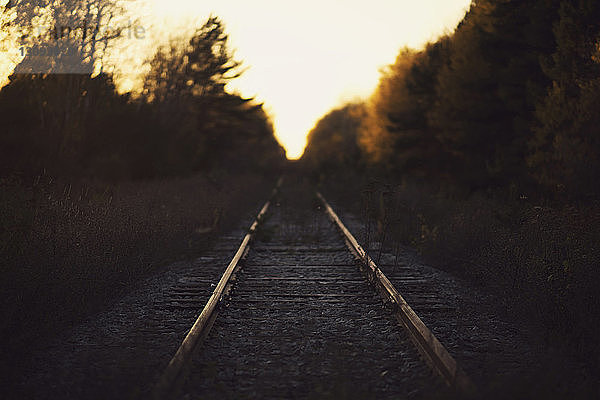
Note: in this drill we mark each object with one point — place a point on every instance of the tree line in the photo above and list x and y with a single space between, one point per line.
78 124
509 100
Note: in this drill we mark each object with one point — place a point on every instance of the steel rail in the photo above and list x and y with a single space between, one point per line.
205 320
432 351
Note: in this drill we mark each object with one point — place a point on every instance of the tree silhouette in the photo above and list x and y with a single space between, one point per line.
333 142
509 100
185 120
566 145
186 83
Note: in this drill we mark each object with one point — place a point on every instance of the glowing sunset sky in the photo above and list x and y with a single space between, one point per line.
306 57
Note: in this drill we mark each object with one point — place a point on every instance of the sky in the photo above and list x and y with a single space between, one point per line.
301 58
305 58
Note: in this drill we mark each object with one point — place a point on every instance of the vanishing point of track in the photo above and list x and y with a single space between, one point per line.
298 314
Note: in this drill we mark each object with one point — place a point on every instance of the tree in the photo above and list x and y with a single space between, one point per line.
333 142
488 90
65 42
201 67
68 36
395 132
391 96
566 145
77 124
186 85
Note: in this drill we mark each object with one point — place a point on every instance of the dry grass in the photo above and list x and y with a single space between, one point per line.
69 249
542 261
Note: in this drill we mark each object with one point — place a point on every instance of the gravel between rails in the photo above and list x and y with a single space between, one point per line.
303 322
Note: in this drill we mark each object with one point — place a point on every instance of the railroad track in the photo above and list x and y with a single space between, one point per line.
298 314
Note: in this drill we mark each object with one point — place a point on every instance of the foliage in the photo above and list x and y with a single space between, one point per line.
48 127
185 120
334 141
566 142
187 83
488 90
396 131
68 36
508 103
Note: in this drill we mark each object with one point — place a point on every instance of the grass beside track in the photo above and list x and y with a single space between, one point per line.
69 249
541 260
